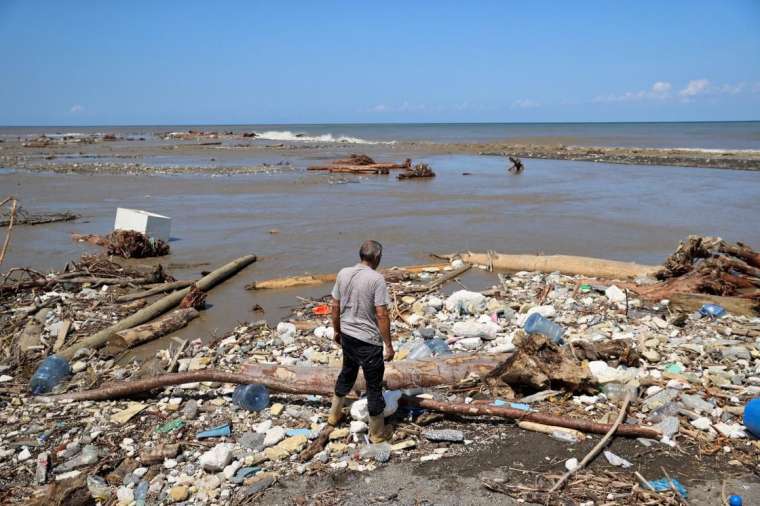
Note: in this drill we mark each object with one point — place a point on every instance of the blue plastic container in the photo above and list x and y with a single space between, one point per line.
220 431
251 397
752 417
51 371
712 310
735 500
537 324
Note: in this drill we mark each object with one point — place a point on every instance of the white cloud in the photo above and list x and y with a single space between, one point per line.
525 103
661 87
658 91
379 108
695 87
76 108
732 89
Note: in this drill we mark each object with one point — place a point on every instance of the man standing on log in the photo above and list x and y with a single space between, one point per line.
361 324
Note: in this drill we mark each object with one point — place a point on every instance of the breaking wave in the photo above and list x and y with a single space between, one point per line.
286 135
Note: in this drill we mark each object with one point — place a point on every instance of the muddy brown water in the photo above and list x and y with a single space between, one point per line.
636 213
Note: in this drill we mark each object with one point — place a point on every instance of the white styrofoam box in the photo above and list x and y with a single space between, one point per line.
151 224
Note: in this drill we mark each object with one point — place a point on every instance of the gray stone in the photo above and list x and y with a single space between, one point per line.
190 410
252 440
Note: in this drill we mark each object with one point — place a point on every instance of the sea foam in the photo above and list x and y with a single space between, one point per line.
287 135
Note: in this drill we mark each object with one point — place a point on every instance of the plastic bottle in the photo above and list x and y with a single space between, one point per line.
141 492
51 371
99 489
419 350
752 417
537 324
438 346
380 452
251 397
712 310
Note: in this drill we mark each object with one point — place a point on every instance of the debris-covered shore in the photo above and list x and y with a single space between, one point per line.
689 377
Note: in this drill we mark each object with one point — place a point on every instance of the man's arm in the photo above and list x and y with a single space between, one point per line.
384 325
335 307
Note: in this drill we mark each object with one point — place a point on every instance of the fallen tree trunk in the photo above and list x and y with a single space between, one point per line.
117 390
347 167
159 307
166 287
170 322
398 374
690 302
566 264
317 279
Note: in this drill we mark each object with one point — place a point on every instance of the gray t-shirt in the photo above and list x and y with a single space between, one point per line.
359 289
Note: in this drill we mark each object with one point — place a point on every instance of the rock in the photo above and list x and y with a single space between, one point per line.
293 444
252 440
258 483
125 495
276 409
275 453
701 423
230 470
263 427
470 343
211 482
274 436
427 333
78 366
179 494
217 458
651 355
340 433
190 410
732 430
448 435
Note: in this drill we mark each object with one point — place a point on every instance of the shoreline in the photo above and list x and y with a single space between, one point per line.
139 157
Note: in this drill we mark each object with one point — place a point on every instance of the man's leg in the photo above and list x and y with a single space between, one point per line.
345 381
374 369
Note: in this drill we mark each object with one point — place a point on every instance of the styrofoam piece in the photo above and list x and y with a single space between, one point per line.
151 224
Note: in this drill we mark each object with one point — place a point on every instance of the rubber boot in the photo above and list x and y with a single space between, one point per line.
336 410
378 431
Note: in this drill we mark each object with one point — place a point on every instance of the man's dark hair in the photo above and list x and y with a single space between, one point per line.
371 251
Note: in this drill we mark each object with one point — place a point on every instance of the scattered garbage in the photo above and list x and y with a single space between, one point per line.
153 225
537 324
752 417
50 373
712 310
251 397
220 431
665 484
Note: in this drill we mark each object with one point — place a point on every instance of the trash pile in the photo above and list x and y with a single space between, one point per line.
563 347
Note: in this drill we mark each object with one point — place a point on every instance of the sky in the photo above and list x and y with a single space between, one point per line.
187 62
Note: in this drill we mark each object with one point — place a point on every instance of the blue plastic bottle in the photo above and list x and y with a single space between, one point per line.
251 397
537 324
51 371
438 346
752 417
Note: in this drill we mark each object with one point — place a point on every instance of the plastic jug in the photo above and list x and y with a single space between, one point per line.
537 324
51 371
251 397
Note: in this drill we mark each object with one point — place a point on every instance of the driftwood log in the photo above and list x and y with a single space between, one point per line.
146 332
319 387
421 170
566 264
166 287
316 279
159 307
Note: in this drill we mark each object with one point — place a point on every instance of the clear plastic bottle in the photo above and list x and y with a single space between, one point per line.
251 397
438 346
419 350
51 371
141 493
537 324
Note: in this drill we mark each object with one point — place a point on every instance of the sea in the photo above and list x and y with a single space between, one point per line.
708 136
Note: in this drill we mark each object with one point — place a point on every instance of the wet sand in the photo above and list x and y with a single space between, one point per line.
636 213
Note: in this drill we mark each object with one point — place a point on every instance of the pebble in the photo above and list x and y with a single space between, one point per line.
217 458
179 494
274 436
